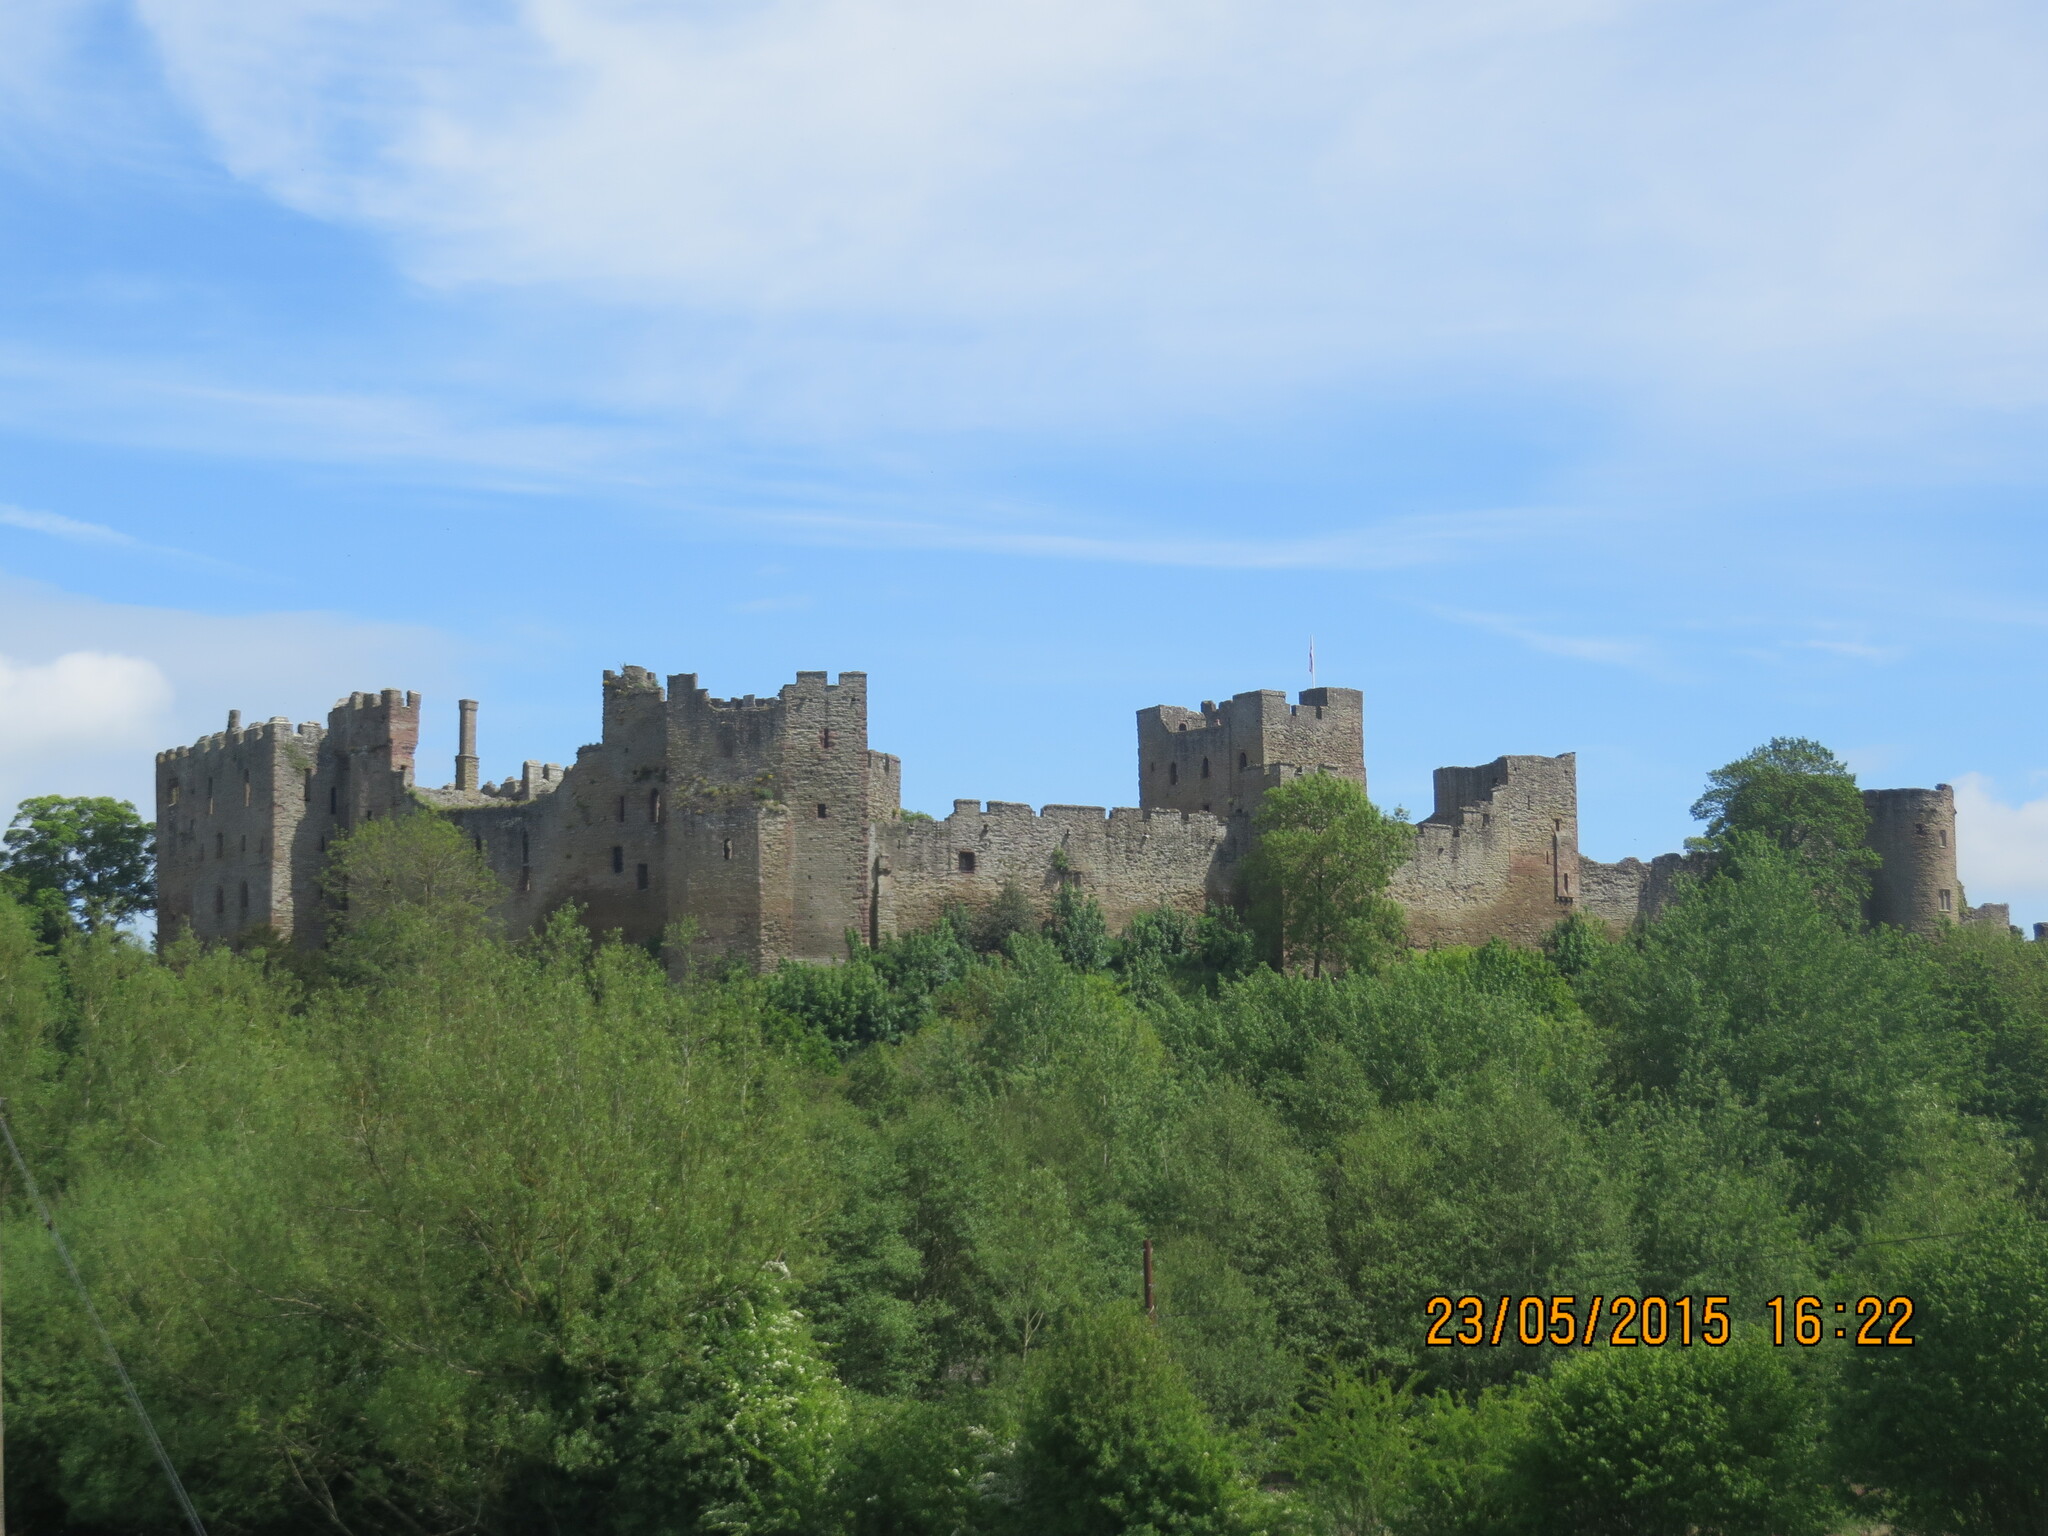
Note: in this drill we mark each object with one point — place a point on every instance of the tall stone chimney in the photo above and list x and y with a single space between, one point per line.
466 776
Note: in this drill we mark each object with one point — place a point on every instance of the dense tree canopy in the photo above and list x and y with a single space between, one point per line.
443 1230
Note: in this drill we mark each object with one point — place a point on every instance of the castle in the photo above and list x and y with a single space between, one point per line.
771 825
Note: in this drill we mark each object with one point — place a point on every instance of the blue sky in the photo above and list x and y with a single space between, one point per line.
1636 377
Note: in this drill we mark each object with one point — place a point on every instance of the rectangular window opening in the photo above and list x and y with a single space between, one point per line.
622 807
618 860
640 876
728 847
966 862
823 810
1947 902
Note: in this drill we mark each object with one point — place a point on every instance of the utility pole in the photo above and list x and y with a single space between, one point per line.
1151 1310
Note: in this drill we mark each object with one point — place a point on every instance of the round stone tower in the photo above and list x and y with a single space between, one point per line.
1914 832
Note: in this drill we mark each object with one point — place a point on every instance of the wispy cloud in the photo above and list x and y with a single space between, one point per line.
60 527
1386 544
1637 655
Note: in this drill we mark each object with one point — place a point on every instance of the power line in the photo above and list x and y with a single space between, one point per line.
156 1444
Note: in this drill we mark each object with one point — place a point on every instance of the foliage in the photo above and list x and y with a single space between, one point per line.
1114 1442
1798 797
1349 1447
444 1230
89 860
1672 1442
1318 873
1955 1429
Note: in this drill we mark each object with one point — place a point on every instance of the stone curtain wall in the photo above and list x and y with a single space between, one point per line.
1129 860
771 825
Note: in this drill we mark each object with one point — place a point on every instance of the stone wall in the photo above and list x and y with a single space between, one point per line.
772 826
1498 856
1129 860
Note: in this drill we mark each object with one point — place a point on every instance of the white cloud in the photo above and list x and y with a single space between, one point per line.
91 691
1069 200
82 699
2002 849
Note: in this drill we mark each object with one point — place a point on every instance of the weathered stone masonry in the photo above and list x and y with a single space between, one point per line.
772 827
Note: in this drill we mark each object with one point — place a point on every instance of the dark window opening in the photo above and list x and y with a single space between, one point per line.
1319 711
525 879
245 843
333 800
1173 773
1243 762
245 895
220 845
1947 902
220 899
654 805
1183 725
1205 767
622 807
247 789
1205 805
1944 838
966 862
825 737
174 791
478 843
618 860
728 847
640 876
1920 829
823 811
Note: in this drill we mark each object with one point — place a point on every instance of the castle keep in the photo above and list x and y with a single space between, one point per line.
773 826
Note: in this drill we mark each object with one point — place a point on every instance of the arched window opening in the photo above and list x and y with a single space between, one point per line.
1205 767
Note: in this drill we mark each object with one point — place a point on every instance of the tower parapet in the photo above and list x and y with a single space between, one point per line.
1221 758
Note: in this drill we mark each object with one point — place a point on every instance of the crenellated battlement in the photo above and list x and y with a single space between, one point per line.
769 823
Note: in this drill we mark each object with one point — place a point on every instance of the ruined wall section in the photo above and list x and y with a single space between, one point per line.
1498 857
228 809
1617 894
1129 860
594 834
1219 759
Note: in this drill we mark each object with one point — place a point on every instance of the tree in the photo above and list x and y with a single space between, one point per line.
1798 795
1955 1429
1114 1442
91 857
1672 1442
1319 872
1349 1449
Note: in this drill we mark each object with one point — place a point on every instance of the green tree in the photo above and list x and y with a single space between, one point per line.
1955 1429
1797 795
91 858
1114 1442
1319 871
1348 1448
1077 929
1672 1442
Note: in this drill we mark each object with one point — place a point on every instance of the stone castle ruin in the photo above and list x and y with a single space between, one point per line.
773 827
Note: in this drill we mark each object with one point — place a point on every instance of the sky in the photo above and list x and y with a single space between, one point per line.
1639 378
